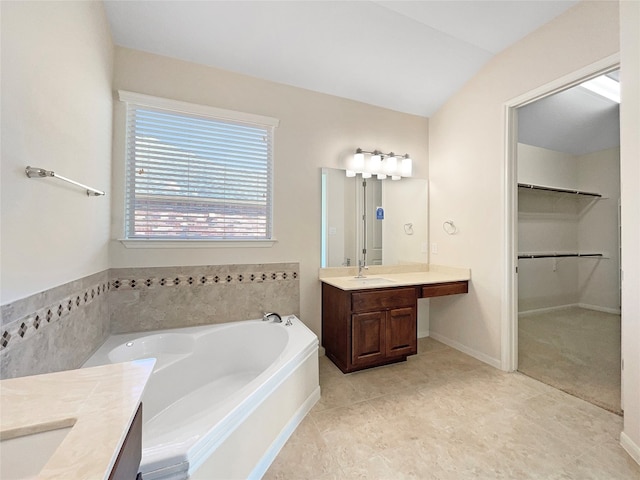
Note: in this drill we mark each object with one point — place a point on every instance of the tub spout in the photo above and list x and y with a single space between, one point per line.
266 317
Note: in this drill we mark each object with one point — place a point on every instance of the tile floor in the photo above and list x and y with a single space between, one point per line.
443 415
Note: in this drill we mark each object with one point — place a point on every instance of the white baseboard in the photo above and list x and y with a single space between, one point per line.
469 351
631 448
615 311
422 334
563 307
547 309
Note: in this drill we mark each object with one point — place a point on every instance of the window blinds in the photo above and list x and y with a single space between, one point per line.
197 177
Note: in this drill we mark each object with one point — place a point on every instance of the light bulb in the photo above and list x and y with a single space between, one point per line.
351 173
358 161
407 166
391 165
375 163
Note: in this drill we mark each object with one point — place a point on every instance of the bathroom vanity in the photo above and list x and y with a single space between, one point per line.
372 321
84 423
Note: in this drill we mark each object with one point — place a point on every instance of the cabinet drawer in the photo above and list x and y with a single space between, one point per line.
448 288
383 299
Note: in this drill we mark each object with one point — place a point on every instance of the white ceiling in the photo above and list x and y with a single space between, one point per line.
409 56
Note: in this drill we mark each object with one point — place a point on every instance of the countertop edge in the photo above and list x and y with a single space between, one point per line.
445 275
88 396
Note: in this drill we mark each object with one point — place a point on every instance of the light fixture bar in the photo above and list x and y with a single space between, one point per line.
383 165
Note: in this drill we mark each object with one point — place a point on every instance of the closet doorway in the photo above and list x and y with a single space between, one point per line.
568 241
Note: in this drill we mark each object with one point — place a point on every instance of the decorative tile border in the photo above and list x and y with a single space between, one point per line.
28 325
24 327
119 284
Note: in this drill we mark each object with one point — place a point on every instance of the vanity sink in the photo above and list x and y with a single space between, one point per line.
24 456
372 281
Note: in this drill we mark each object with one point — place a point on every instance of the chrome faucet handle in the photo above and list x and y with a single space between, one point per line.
266 317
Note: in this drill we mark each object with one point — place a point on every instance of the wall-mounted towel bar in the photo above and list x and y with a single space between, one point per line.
558 255
41 172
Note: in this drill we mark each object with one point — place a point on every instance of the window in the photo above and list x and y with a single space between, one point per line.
196 172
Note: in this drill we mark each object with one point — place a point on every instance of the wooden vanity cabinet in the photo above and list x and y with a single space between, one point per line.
367 328
128 461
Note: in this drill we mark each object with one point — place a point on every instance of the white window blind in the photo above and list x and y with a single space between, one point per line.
195 176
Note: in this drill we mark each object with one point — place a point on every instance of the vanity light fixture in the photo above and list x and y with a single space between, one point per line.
382 165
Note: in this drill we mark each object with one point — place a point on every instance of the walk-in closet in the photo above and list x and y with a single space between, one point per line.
569 242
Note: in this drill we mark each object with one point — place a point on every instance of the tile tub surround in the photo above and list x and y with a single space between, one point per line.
143 299
56 329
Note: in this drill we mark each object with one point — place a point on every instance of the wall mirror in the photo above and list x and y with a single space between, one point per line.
386 218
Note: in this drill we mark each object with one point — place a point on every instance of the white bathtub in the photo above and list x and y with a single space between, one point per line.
222 399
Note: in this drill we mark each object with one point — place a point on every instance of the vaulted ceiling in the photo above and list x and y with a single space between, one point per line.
409 56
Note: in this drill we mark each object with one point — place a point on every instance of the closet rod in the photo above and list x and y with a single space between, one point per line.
559 255
559 190
41 172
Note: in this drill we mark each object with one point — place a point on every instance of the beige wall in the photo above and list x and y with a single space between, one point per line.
315 131
599 232
630 195
401 200
541 166
466 166
57 60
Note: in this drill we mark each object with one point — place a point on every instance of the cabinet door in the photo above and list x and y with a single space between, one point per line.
367 338
401 332
128 462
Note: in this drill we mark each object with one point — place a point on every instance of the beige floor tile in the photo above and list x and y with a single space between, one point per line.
409 375
374 383
445 416
327 368
357 417
305 456
606 461
428 344
408 465
378 468
573 419
337 392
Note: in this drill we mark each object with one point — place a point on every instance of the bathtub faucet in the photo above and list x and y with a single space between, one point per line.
266 317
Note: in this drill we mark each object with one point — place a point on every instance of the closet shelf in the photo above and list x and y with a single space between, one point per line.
558 190
557 255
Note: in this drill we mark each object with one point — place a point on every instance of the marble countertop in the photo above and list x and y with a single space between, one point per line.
392 276
98 404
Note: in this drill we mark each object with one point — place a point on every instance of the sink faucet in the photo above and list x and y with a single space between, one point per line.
361 266
266 317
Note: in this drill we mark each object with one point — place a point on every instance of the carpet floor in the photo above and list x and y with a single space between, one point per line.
575 350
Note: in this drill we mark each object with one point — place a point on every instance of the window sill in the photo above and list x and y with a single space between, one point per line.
192 243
